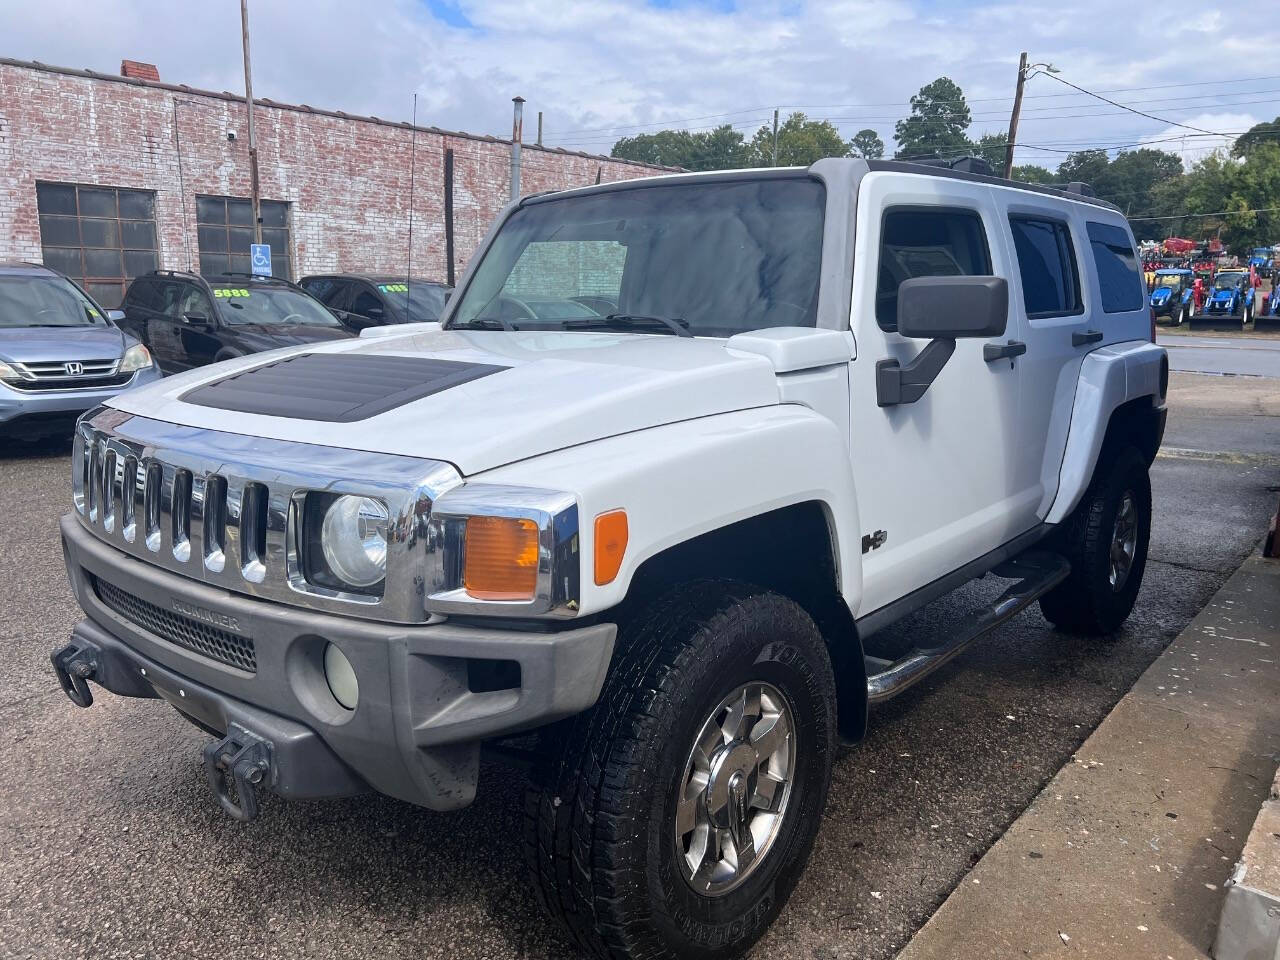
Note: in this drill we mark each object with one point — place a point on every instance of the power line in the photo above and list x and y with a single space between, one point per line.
1116 103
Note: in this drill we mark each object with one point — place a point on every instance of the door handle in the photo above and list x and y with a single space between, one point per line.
992 352
1089 336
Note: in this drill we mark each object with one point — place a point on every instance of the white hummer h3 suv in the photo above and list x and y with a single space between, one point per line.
677 449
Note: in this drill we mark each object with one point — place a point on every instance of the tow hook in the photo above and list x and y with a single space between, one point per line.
240 760
76 664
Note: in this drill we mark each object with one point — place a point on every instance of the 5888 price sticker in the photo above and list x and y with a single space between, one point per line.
223 293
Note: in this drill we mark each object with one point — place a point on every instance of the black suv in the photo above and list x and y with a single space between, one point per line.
370 300
188 320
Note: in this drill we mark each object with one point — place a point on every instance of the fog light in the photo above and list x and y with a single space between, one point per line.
341 677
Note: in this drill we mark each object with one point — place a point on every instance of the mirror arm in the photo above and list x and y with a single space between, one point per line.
897 384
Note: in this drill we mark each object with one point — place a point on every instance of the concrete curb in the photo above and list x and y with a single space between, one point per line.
1126 851
1249 928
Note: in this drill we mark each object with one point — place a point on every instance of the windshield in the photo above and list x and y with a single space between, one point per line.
1262 252
722 258
413 301
1227 281
270 305
1169 280
45 302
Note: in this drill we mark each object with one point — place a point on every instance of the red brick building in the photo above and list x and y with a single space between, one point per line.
106 176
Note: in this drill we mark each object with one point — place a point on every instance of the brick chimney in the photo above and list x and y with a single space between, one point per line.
139 70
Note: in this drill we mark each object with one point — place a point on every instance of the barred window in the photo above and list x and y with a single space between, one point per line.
224 230
101 237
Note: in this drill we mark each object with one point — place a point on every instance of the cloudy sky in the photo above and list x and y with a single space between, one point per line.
600 69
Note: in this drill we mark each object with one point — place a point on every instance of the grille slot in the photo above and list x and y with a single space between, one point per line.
180 630
214 532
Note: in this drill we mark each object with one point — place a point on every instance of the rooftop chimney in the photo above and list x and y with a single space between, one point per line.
139 70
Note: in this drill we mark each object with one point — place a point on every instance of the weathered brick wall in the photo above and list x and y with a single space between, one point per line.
346 178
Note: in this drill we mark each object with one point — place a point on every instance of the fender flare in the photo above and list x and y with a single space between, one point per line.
1110 377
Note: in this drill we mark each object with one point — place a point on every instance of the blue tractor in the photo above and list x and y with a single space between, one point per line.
1171 296
1269 315
1262 259
1230 298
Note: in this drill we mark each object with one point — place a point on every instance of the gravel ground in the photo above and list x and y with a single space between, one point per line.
111 846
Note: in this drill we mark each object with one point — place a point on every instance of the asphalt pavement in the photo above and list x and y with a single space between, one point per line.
111 845
1223 356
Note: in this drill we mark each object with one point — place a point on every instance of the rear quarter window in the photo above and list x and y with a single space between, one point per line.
1119 280
1047 266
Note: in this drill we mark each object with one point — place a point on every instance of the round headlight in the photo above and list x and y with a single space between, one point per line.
354 540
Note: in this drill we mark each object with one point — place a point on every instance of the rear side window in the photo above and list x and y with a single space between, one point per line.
1047 264
144 294
926 242
1119 281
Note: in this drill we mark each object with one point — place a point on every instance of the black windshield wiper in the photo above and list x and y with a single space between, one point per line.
621 321
484 323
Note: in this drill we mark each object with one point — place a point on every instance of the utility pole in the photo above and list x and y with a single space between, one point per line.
539 128
517 132
1013 118
255 197
775 138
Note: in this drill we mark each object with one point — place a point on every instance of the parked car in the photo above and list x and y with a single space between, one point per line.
1172 295
60 353
367 300
664 538
188 320
1230 298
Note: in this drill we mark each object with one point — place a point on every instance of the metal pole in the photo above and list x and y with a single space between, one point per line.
539 128
413 143
448 214
775 138
255 198
517 123
1013 117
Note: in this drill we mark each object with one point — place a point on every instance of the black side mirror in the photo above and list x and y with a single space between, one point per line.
953 307
375 313
941 310
196 319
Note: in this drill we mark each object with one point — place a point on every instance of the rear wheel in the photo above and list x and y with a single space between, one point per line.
1177 315
1106 539
674 818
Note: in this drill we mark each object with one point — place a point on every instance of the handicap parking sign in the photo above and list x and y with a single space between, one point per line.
260 254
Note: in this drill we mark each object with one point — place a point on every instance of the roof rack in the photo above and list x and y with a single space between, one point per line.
1080 188
171 273
966 164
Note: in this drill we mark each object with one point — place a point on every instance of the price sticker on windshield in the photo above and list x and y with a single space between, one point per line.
394 287
225 292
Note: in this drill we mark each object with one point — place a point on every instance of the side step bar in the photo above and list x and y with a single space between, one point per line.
1035 572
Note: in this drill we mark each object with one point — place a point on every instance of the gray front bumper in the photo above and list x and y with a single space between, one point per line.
415 733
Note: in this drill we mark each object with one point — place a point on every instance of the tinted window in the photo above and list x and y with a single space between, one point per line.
1047 264
722 257
917 242
328 290
1119 281
143 294
366 302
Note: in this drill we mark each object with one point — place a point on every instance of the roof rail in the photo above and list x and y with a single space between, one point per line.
966 164
169 273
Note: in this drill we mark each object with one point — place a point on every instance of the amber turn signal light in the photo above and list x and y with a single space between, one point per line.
611 544
500 558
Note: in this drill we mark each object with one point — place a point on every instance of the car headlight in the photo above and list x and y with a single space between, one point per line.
7 372
136 358
353 538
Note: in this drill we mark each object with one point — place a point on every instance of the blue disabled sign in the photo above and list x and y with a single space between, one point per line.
260 254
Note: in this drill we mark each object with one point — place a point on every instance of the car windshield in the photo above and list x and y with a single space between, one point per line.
719 258
270 306
1169 280
1227 281
414 301
48 301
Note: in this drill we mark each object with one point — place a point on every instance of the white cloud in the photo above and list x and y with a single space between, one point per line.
1192 145
600 69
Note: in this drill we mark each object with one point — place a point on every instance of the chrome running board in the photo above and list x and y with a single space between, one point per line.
1035 573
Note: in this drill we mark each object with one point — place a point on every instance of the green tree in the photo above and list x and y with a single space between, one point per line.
1241 187
992 148
801 141
937 124
1087 166
867 145
720 149
1265 132
1030 173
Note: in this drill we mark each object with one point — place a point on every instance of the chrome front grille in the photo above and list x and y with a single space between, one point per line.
66 374
227 509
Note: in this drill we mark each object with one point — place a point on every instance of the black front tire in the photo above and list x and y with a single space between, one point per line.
1087 601
601 841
